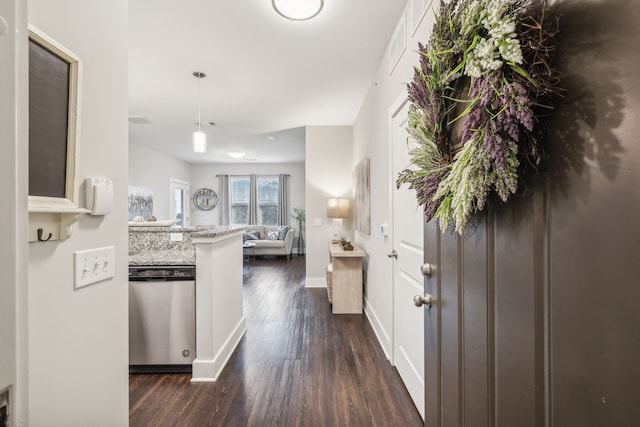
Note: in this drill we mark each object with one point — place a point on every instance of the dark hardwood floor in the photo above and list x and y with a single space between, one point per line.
297 365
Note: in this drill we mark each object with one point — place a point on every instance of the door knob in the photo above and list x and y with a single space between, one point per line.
420 300
426 269
393 254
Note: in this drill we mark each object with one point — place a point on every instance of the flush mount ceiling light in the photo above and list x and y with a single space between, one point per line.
236 154
199 137
298 10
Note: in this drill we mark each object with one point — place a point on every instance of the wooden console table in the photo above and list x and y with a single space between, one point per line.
347 279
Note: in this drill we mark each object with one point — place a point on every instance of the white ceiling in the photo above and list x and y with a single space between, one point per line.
265 75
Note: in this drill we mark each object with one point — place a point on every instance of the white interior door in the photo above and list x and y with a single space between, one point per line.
407 240
180 198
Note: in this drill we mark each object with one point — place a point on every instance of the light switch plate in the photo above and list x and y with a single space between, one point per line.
175 237
93 265
317 222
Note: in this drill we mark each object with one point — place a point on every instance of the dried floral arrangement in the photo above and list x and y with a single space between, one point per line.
484 80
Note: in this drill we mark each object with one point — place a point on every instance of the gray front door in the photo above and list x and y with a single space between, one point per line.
536 320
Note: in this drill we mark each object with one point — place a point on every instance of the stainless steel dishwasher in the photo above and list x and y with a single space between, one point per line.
162 318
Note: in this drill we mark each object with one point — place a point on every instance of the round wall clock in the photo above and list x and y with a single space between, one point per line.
205 199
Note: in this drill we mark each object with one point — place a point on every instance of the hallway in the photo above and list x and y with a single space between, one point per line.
298 365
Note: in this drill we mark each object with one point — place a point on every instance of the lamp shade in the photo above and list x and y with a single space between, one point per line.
337 208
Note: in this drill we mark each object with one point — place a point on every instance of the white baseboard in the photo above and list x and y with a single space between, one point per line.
207 371
378 329
315 282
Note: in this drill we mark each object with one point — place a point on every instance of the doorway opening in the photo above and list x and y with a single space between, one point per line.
180 194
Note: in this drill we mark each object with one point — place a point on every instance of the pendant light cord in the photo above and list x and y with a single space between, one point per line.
199 101
199 75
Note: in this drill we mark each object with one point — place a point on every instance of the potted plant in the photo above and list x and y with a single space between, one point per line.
299 216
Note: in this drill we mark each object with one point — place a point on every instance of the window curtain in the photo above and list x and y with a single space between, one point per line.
224 200
283 199
253 199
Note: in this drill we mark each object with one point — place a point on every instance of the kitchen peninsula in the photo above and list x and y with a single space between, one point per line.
217 254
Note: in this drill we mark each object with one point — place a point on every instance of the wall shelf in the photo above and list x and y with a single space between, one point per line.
61 211
49 225
51 218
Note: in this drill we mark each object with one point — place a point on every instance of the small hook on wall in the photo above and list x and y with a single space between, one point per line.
40 239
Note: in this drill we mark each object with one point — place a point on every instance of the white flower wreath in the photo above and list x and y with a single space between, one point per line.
500 53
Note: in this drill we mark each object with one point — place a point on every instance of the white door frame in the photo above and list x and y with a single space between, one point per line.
177 184
396 106
402 355
14 85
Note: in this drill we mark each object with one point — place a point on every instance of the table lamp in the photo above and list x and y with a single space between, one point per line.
337 209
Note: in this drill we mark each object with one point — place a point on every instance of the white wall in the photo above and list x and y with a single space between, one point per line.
329 169
78 339
13 215
371 138
152 169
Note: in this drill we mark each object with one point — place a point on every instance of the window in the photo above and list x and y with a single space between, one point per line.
239 199
267 198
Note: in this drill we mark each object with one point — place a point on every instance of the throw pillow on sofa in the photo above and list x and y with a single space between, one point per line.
268 228
252 235
272 235
282 232
259 230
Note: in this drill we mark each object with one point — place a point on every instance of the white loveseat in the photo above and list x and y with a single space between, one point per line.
269 240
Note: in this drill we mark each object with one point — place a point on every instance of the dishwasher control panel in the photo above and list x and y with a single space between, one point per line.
156 272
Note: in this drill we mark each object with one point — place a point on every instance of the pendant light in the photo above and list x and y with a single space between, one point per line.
297 10
199 137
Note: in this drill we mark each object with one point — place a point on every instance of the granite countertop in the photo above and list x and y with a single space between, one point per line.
173 229
219 230
158 249
164 257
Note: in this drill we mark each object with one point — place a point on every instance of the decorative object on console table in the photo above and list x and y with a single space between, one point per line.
299 215
346 244
347 279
